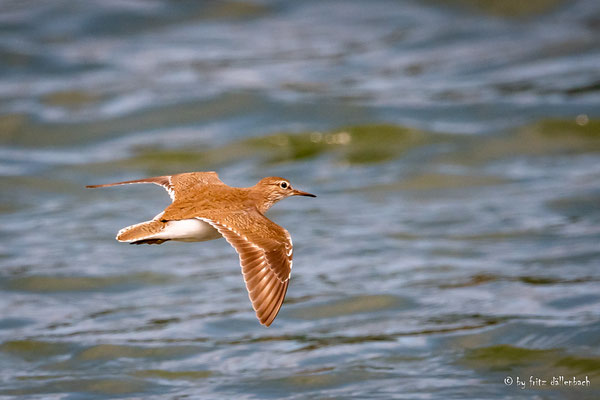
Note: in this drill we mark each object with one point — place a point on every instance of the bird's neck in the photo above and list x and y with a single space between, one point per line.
261 198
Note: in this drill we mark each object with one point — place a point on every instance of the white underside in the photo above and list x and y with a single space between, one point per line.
188 230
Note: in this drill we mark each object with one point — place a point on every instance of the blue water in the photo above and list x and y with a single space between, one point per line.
453 248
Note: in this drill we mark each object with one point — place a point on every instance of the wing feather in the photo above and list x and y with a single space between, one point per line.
164 181
176 185
265 252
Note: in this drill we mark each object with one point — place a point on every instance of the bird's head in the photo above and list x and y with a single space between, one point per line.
273 189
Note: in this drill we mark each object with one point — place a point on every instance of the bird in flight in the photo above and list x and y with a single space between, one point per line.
204 208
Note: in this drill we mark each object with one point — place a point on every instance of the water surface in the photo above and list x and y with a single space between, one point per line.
454 147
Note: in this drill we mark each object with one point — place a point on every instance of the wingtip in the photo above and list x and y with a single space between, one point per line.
98 186
263 320
267 321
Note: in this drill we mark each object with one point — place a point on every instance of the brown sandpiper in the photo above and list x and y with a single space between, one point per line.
204 208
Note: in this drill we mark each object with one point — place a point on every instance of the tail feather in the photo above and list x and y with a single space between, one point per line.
144 232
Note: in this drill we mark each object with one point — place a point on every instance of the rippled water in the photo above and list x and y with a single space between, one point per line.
454 146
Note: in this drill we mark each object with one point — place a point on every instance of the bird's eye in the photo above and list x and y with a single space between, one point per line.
283 185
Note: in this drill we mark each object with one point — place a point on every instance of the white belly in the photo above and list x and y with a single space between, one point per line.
188 230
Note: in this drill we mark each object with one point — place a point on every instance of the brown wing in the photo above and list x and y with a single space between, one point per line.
265 251
174 184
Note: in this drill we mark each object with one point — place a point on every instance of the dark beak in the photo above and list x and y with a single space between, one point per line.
301 193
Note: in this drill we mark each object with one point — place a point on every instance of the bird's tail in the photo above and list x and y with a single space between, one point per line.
147 232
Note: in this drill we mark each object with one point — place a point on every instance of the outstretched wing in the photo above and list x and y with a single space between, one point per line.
164 181
173 184
265 251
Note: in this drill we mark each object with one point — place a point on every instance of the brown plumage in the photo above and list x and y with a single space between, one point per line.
204 208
